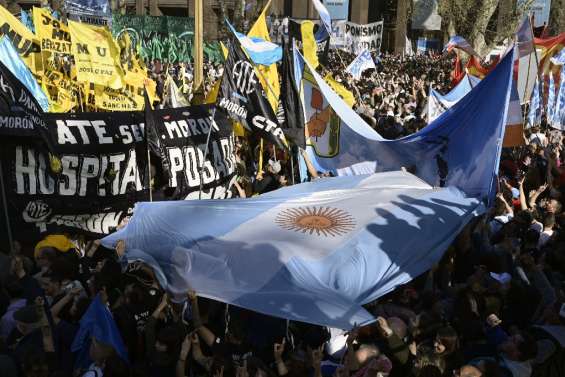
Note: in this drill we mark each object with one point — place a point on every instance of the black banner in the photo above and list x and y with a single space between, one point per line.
100 171
244 99
178 137
20 114
290 103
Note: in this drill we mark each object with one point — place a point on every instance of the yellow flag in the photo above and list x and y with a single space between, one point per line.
53 35
269 76
24 41
97 56
309 43
345 94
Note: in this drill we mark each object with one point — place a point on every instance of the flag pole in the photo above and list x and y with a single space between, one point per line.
5 204
205 153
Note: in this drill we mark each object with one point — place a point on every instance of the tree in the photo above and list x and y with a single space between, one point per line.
557 17
484 23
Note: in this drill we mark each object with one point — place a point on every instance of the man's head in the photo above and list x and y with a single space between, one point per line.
52 284
519 347
27 319
468 371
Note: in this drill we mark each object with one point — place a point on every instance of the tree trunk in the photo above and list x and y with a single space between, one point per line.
480 23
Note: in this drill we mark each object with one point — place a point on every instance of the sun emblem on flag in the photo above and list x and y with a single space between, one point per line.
323 221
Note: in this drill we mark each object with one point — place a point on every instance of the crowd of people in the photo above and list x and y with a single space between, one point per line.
494 306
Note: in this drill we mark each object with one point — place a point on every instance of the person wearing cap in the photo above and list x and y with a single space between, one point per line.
27 337
48 249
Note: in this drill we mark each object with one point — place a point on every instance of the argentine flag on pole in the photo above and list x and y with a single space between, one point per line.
534 114
558 120
259 50
11 59
324 32
314 252
361 63
551 98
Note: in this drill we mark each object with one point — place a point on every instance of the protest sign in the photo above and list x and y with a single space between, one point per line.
97 56
358 38
179 136
99 172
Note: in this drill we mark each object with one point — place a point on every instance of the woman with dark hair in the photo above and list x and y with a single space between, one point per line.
446 345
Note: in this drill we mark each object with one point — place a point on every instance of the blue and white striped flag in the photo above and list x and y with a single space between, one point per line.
534 115
325 31
558 120
11 59
559 59
259 50
362 62
550 98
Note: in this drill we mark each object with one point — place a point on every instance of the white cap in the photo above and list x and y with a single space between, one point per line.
275 166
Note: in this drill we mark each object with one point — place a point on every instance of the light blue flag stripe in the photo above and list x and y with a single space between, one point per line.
10 58
534 114
274 255
558 120
461 148
259 50
551 98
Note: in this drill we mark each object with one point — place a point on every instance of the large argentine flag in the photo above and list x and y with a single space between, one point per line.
313 252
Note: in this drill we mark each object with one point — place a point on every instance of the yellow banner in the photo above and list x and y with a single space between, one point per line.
97 56
53 34
59 83
24 41
129 98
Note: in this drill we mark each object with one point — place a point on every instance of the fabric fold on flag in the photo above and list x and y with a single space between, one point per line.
458 42
461 148
360 64
438 103
314 252
97 323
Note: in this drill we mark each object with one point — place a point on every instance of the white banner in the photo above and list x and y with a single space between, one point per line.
357 38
